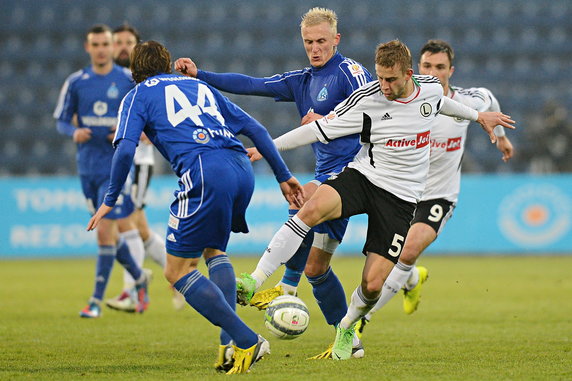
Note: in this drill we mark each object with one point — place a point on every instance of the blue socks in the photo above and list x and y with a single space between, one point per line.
205 297
330 296
103 268
221 273
126 259
295 265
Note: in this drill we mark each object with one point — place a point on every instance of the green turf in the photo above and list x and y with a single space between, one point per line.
481 318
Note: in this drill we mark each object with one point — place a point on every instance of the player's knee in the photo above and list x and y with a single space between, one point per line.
171 274
310 214
371 288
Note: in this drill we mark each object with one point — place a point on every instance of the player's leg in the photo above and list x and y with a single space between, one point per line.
388 223
324 205
294 267
106 256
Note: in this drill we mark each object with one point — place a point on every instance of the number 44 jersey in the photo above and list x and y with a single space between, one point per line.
183 117
394 134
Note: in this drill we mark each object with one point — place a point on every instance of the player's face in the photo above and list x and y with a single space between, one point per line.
99 48
437 65
123 44
394 82
320 43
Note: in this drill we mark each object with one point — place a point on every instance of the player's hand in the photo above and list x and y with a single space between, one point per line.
187 67
505 146
310 117
81 135
101 212
293 191
253 154
489 120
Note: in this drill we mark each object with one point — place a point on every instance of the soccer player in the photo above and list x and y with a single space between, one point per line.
394 117
93 95
316 90
444 179
194 127
125 37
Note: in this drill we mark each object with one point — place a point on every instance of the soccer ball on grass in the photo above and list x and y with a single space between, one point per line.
287 317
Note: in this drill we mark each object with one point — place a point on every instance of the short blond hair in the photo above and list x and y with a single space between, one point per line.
319 15
393 52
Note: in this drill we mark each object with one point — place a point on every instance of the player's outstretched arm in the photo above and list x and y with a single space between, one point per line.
293 191
186 66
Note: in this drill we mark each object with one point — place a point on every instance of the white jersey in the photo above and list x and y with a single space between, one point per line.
394 134
144 154
448 144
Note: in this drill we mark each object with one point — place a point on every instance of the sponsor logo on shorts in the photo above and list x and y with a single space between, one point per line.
171 237
419 141
173 222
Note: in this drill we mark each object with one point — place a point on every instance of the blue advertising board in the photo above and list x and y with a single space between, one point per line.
510 214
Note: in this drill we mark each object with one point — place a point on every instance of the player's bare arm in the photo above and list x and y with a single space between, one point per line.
186 66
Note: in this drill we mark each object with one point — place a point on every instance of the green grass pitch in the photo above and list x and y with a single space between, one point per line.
481 318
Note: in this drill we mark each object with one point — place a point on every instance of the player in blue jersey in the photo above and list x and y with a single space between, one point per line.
194 127
316 90
92 97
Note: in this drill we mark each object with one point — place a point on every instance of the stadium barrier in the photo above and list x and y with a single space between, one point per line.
502 214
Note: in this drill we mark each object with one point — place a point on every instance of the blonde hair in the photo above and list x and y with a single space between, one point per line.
319 15
392 53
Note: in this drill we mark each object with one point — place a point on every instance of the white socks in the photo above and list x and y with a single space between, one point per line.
397 278
280 249
359 306
135 245
155 248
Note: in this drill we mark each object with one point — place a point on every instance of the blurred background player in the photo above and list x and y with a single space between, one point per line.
316 90
92 96
216 183
444 179
394 117
125 37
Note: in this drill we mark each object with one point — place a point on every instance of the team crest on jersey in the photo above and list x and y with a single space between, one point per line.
426 109
323 95
201 136
356 70
151 82
113 91
100 108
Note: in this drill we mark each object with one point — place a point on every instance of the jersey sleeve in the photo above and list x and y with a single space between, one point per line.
67 101
131 117
346 119
240 122
479 99
275 86
356 75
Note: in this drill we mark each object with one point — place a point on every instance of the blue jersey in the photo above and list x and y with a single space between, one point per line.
95 99
185 117
313 89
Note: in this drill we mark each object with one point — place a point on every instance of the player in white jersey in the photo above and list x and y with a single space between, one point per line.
443 181
394 117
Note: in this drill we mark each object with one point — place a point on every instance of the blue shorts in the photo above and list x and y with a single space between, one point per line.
335 229
211 202
94 189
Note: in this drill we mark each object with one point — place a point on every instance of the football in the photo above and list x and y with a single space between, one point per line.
287 317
